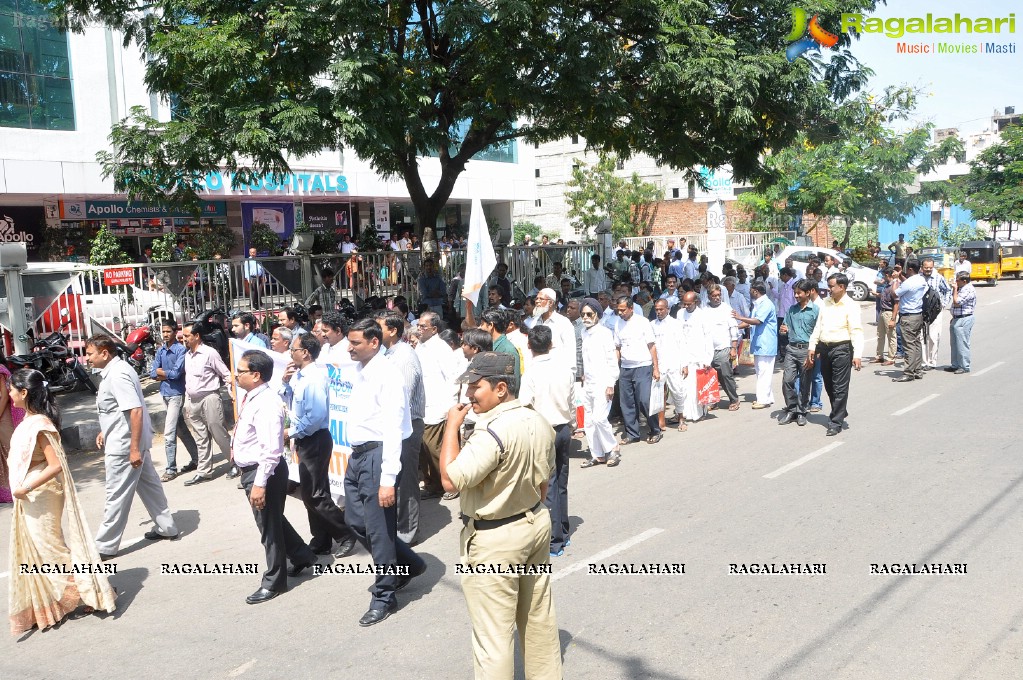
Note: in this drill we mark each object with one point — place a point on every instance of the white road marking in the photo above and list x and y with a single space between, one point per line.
124 544
241 669
604 554
1018 295
903 411
805 459
989 368
993 302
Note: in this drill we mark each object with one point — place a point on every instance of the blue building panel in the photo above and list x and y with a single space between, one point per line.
889 231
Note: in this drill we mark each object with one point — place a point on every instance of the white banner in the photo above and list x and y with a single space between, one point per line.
480 259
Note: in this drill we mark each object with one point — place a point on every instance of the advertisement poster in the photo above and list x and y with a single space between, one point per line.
23 224
332 216
382 218
279 216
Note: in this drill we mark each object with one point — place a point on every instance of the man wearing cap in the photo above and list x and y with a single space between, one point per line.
600 373
502 473
562 331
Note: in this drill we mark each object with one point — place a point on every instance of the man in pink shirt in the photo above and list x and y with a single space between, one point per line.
205 372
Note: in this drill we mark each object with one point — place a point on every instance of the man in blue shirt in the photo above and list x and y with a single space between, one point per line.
253 272
169 369
243 327
909 312
798 326
304 390
763 341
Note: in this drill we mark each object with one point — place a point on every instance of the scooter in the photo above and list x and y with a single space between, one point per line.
52 357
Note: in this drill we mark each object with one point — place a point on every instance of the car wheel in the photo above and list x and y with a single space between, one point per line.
859 291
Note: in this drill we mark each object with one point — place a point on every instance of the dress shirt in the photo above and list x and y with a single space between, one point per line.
671 298
743 290
562 338
254 339
964 266
668 340
721 325
306 397
252 268
886 296
967 302
549 388
911 294
600 364
440 388
376 409
690 270
118 393
678 268
172 361
410 367
697 347
347 248
800 322
786 294
609 319
633 338
764 336
335 354
205 371
259 435
432 290
839 322
738 302
939 284
596 281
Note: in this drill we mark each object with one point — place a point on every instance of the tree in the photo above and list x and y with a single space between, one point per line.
597 193
962 232
532 229
105 249
163 247
258 85
855 165
993 189
923 237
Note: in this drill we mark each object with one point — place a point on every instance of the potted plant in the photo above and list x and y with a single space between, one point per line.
303 238
264 239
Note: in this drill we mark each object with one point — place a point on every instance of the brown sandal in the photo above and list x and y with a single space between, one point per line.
682 427
733 407
593 462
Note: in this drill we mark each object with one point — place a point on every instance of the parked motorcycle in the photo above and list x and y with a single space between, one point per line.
139 347
53 358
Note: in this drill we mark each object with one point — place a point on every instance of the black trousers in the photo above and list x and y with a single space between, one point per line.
836 370
722 363
326 520
280 540
376 527
795 385
407 489
557 487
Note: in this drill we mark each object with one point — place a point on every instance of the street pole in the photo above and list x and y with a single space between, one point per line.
13 261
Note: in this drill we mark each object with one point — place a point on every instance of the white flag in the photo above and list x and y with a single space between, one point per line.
480 259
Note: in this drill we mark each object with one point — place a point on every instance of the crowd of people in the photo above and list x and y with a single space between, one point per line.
456 401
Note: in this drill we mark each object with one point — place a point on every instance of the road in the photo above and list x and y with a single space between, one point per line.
924 475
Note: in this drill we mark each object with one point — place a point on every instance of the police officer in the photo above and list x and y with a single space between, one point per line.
502 473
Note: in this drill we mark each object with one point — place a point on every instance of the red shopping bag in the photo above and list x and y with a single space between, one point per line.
708 390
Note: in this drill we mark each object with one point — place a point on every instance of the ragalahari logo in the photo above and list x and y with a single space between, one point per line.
807 36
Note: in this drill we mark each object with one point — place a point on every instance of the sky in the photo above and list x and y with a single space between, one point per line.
961 90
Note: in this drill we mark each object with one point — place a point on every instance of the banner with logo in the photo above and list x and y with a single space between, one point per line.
329 216
278 216
99 210
23 224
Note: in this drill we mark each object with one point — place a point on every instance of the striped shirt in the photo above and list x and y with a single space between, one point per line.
967 302
407 363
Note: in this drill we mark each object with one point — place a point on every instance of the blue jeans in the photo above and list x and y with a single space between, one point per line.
817 387
960 330
173 429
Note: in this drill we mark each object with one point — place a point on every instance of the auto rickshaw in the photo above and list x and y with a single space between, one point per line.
1012 257
944 260
985 259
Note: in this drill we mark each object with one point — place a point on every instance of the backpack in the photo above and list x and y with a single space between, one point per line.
932 305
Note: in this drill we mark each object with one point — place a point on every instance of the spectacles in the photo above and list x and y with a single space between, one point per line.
589 315
240 372
295 349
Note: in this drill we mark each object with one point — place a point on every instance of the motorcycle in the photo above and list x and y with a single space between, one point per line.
139 347
52 357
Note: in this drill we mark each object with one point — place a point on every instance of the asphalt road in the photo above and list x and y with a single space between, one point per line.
924 475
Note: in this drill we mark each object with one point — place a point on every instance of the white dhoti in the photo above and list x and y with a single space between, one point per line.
599 435
673 381
692 410
765 375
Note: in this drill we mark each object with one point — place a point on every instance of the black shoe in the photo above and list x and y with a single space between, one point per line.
960 371
153 535
374 616
800 420
191 467
297 569
950 369
103 557
833 430
407 579
344 547
198 479
905 378
320 551
261 595
233 472
786 418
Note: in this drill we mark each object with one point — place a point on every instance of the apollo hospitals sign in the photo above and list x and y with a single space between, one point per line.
291 184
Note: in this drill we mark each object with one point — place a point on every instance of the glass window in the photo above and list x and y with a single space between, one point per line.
35 69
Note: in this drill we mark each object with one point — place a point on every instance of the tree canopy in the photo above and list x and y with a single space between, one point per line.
857 166
993 189
257 85
595 192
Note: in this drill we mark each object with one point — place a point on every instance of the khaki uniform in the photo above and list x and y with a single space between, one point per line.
499 472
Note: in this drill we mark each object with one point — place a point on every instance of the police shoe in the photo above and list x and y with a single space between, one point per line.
786 418
261 595
198 479
833 430
344 547
800 420
374 616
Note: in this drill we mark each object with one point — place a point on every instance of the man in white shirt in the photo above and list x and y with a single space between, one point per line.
668 340
690 270
637 355
562 331
548 388
736 300
600 373
595 280
440 385
962 264
697 352
724 337
347 247
335 346
932 331
372 411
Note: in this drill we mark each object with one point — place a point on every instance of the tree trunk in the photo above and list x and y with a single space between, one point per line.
429 206
848 233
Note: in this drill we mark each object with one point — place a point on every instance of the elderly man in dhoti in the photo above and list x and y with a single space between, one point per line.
697 353
600 372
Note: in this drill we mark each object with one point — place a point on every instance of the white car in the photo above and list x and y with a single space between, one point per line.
862 280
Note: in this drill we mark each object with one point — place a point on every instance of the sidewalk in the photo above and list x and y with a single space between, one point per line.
80 422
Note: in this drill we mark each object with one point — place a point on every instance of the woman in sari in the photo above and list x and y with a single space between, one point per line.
43 490
10 416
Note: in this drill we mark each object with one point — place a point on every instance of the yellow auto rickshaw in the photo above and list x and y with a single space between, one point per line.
985 260
1012 257
944 260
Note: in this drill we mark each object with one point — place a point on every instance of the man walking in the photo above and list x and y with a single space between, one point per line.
169 370
932 332
562 332
600 373
637 356
325 294
205 372
257 447
697 352
126 437
502 473
964 304
910 313
304 391
763 341
441 392
724 337
798 324
838 339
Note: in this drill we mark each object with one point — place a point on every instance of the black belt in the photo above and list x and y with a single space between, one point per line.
835 344
910 313
363 448
309 436
800 345
961 316
484 524
246 468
